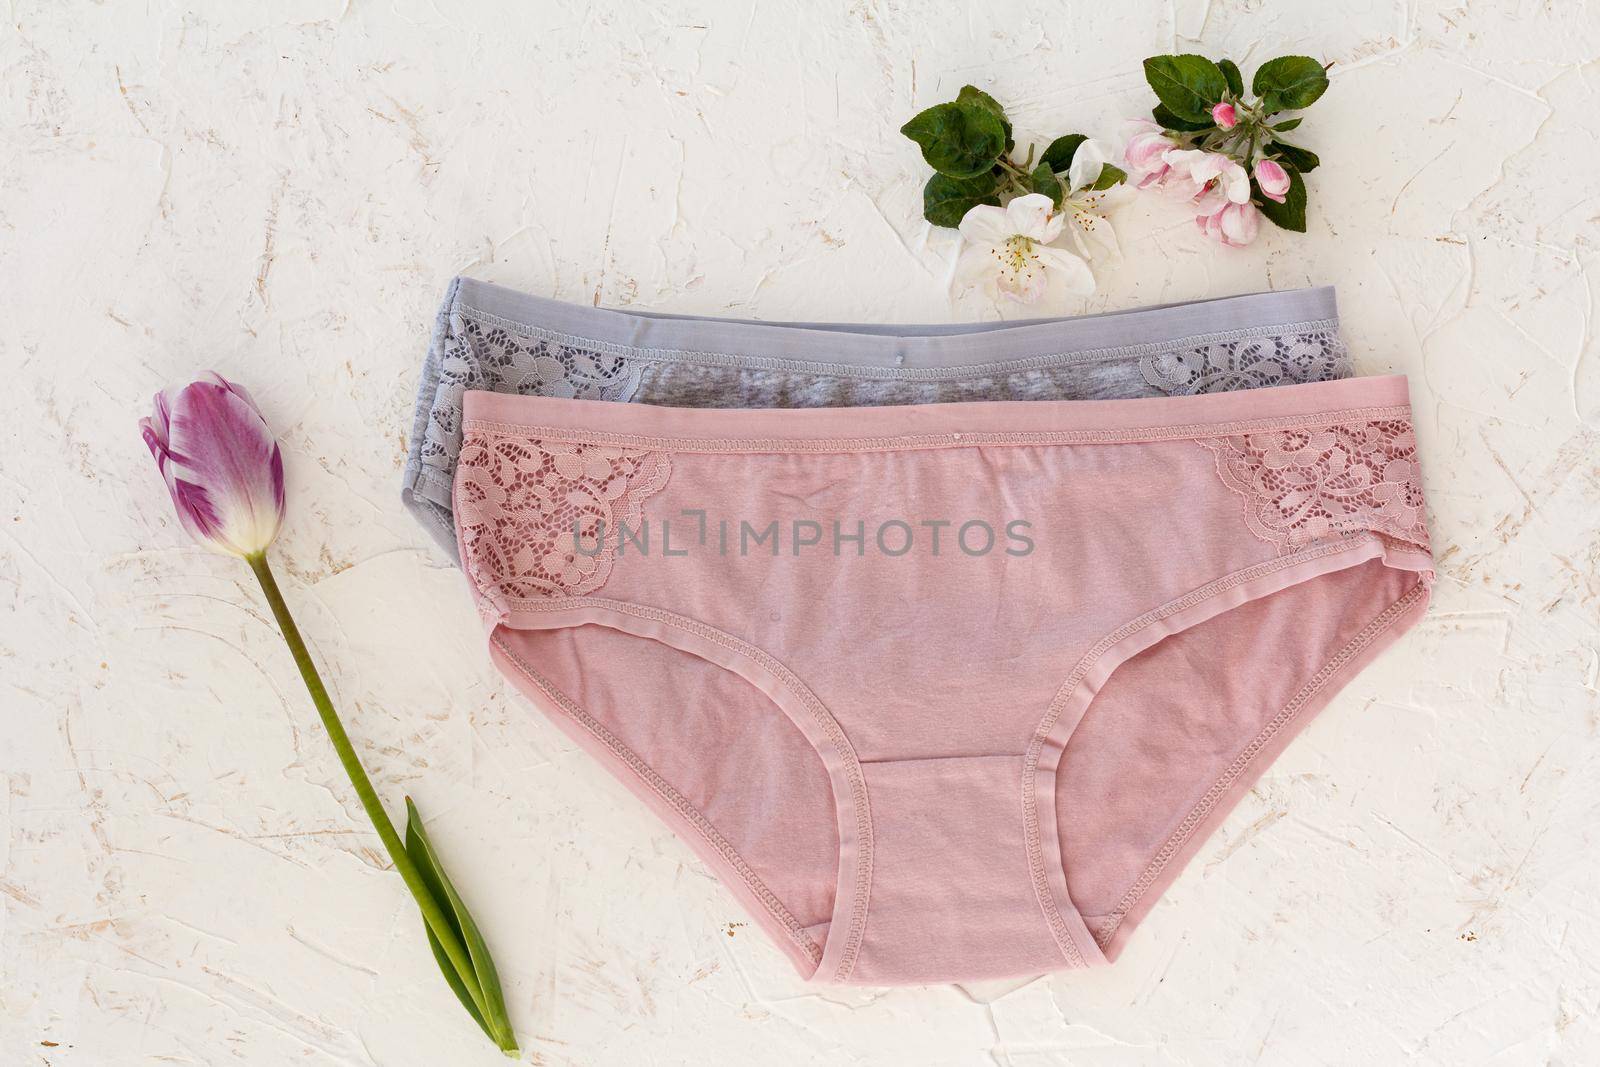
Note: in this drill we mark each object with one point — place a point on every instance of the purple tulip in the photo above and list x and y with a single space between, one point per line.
221 464
225 473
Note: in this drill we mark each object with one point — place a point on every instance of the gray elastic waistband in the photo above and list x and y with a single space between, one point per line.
659 336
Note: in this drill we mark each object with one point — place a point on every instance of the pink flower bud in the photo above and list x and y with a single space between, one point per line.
1223 115
1273 179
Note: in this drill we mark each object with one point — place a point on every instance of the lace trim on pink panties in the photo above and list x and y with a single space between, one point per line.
545 518
520 502
1306 485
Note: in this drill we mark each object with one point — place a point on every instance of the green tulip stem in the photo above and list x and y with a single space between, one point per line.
431 913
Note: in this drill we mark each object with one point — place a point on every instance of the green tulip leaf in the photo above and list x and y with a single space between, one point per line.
960 140
492 1018
1188 85
1289 83
946 200
452 979
1291 214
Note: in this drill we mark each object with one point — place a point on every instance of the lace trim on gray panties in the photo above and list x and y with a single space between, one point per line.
1277 358
1311 353
472 350
471 355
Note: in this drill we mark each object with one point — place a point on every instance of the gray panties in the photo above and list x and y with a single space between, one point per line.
491 338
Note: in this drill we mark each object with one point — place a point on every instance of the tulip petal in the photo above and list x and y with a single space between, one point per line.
160 419
196 511
222 466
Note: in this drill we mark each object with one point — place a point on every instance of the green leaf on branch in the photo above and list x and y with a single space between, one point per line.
1285 127
1301 159
1289 83
976 97
1230 71
961 140
1188 85
1043 180
483 984
946 200
1109 175
1168 121
972 96
1059 154
1291 214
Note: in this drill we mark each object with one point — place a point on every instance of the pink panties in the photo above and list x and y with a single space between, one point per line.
944 692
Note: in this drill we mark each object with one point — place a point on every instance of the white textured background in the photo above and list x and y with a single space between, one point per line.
280 191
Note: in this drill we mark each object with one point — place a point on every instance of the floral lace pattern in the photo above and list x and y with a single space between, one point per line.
545 518
473 350
1306 485
486 357
1249 363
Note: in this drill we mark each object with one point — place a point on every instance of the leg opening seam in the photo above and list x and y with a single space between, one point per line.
674 799
856 928
1030 807
1109 922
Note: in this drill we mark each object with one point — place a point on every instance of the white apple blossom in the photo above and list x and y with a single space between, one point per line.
1085 207
1009 248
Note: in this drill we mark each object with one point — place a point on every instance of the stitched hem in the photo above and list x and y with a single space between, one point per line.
1376 629
674 802
1081 686
694 637
875 347
742 361
428 380
426 481
910 442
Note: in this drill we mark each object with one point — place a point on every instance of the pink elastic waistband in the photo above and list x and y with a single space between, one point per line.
940 425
